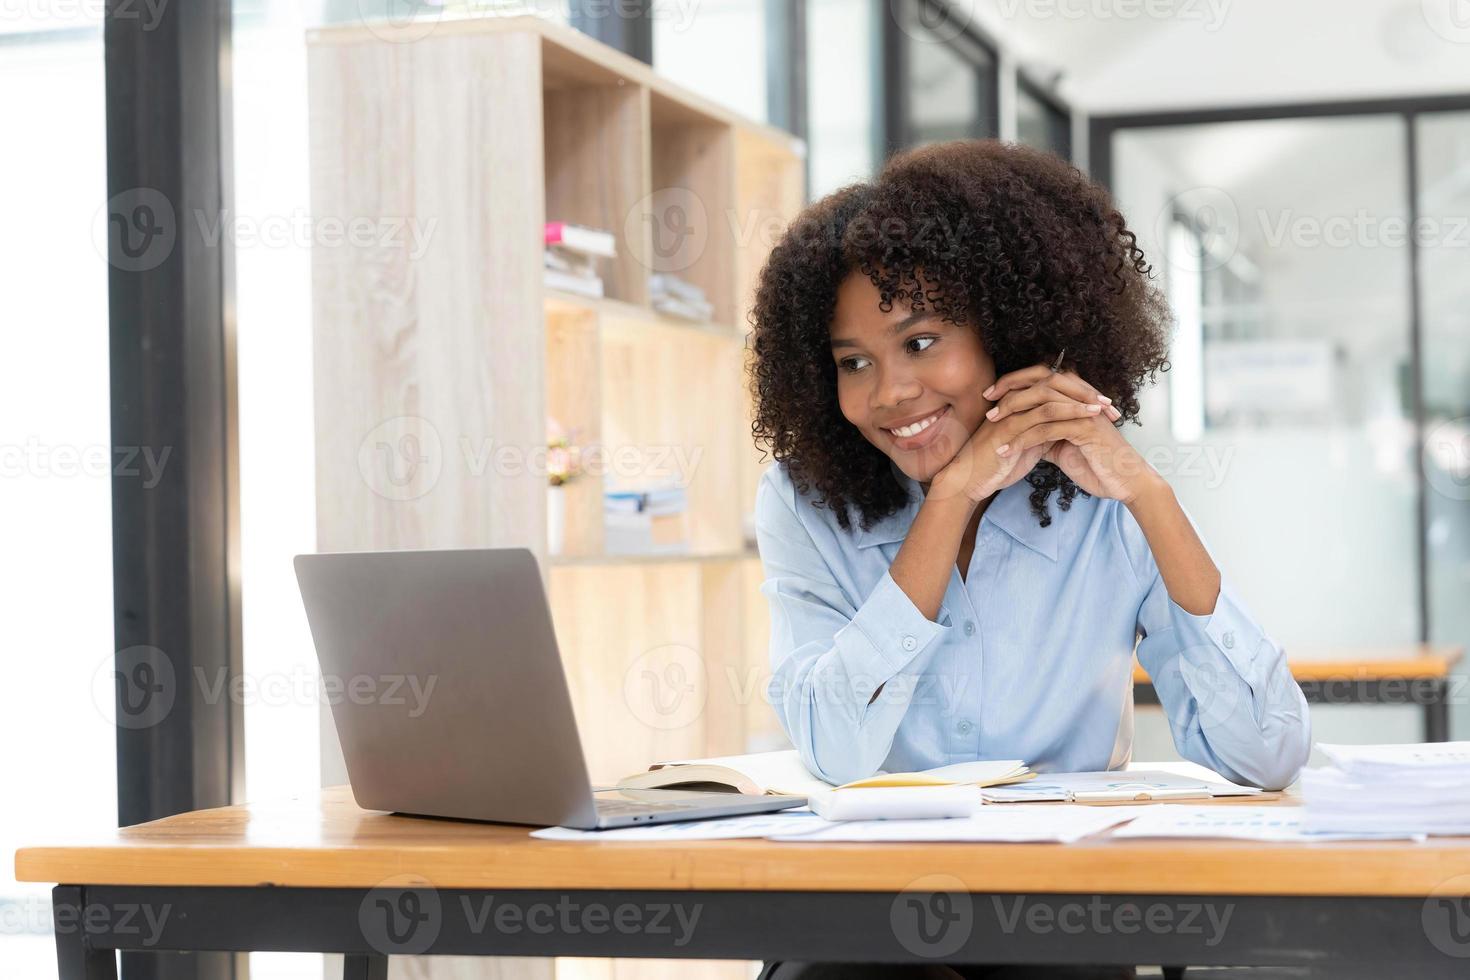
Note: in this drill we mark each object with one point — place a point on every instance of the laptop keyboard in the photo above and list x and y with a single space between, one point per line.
616 807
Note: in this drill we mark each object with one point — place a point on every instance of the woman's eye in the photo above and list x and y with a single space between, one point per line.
852 365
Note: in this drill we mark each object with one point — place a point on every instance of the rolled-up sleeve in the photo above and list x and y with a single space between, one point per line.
829 655
1224 684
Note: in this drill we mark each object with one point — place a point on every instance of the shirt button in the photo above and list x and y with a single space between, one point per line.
909 642
1229 639
963 728
970 627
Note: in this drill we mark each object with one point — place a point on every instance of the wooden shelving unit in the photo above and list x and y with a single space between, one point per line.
435 372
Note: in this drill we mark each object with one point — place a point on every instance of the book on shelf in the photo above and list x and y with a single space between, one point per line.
644 533
573 283
683 309
668 284
669 294
654 500
782 773
556 257
580 238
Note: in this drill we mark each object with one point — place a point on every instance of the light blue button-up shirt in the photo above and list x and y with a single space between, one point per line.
1031 657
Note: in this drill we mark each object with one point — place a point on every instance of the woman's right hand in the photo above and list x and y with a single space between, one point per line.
977 470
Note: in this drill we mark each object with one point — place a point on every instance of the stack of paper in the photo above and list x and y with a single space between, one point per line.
1412 788
650 519
1261 823
1109 786
670 294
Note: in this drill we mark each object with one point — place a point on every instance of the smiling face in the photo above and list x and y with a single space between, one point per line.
897 371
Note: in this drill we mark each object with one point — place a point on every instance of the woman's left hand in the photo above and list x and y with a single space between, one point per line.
1090 451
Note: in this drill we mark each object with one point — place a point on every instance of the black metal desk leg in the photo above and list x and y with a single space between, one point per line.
1437 714
364 966
1172 972
75 957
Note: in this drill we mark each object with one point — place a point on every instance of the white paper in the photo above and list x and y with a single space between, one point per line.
1059 823
1061 786
1259 823
791 821
897 802
1409 755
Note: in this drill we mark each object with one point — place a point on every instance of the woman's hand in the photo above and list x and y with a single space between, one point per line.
979 469
1090 450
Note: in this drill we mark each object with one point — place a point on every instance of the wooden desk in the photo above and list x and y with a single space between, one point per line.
320 874
1417 674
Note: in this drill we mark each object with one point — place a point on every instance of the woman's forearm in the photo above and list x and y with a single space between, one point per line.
1188 571
924 563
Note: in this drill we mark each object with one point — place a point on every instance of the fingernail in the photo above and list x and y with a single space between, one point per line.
992 414
1115 413
1104 399
1002 450
1094 409
987 391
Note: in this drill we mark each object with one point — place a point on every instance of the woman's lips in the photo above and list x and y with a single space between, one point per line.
923 439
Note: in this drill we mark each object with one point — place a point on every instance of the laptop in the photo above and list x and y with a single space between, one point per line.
450 700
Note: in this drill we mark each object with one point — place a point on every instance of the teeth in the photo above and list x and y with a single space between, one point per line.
913 430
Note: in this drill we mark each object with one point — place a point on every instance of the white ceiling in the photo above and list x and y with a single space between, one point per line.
1125 55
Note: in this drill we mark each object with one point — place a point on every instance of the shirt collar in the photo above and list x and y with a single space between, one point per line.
1010 511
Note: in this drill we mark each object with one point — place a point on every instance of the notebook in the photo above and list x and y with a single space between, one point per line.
783 774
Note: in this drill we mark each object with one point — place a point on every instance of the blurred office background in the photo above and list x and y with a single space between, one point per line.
1270 157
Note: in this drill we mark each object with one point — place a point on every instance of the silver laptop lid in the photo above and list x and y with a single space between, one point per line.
446 685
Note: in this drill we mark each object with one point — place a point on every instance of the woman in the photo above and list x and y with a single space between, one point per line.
939 357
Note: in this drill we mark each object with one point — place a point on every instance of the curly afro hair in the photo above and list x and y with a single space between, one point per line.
1012 241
